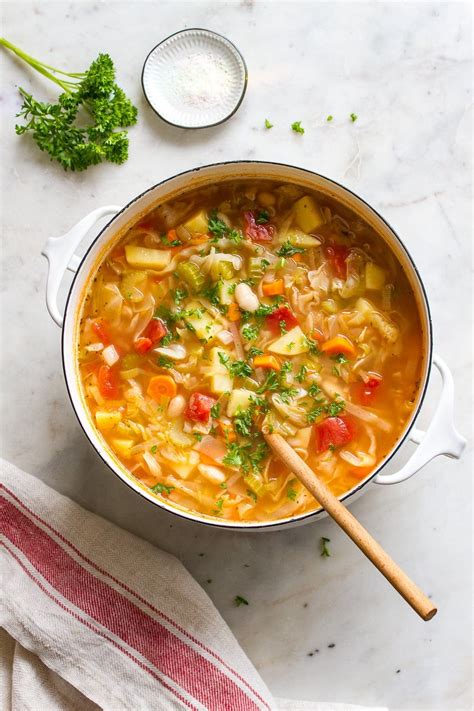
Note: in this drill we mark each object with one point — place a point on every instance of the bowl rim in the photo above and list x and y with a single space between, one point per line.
208 125
255 525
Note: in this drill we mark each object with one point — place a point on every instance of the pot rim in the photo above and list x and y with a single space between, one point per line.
311 515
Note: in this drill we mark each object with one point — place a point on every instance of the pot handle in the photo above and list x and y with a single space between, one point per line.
441 437
59 251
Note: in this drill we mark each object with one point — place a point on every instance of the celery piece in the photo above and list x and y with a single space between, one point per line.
191 275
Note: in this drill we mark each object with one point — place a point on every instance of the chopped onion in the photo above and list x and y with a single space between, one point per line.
225 337
174 351
360 459
110 355
212 474
152 464
94 347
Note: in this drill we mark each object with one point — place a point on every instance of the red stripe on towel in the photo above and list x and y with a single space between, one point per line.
87 624
170 655
136 595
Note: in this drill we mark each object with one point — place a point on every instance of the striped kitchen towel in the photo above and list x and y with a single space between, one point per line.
94 617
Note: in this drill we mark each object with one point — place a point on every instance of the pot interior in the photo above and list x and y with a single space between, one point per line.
177 186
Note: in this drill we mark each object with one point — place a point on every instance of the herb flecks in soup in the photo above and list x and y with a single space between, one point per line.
240 309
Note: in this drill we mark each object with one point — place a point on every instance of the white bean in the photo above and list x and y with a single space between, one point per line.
176 406
246 299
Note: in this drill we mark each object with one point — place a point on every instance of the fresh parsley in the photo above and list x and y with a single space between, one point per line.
324 549
252 495
290 492
297 127
215 411
353 117
288 250
263 217
301 374
340 358
239 600
249 332
93 94
329 118
162 489
220 230
164 362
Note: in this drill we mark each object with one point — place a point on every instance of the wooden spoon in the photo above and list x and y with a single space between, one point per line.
350 525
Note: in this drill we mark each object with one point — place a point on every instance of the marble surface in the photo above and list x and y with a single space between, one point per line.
328 629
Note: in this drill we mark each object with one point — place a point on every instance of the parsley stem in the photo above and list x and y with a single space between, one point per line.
41 67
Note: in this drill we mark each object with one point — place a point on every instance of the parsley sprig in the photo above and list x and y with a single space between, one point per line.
94 93
219 229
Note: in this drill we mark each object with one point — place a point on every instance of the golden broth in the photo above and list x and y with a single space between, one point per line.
241 308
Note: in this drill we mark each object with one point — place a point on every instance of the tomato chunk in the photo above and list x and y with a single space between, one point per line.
282 314
333 431
199 407
143 345
256 232
367 392
337 255
108 382
100 327
155 330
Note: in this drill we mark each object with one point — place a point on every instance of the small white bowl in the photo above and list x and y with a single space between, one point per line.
194 79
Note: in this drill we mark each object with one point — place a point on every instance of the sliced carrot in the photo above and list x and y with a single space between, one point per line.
266 361
171 234
233 312
339 344
297 257
161 386
198 238
227 432
273 288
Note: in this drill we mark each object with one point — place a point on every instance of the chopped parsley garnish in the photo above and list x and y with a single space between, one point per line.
324 549
243 422
353 117
290 492
329 118
335 407
239 600
288 250
215 410
219 504
212 293
283 328
297 127
313 346
335 371
252 495
164 362
247 457
340 358
154 449
287 394
170 243
237 368
220 230
254 351
286 367
198 436
250 333
179 295
272 382
301 374
223 485
332 447
268 124
162 489
262 218
314 413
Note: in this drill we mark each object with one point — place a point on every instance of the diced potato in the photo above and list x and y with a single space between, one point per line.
107 419
225 291
297 238
221 381
144 258
239 400
185 468
202 323
308 216
198 224
374 277
122 446
292 343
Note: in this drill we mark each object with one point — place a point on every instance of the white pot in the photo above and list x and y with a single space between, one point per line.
441 436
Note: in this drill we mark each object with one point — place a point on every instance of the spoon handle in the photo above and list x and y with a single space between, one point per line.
351 526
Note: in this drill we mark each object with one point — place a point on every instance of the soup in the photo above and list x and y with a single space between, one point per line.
243 308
